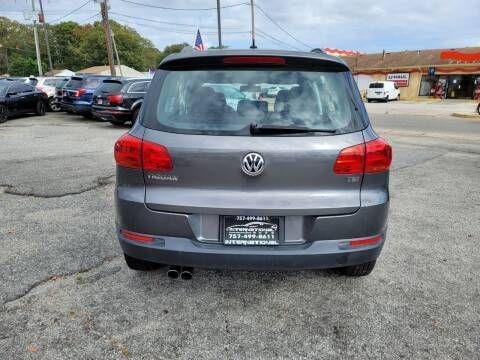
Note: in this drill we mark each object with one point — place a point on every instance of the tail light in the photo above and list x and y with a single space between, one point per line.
132 152
372 157
115 99
378 156
79 92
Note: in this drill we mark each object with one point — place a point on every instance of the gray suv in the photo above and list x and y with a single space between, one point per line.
296 180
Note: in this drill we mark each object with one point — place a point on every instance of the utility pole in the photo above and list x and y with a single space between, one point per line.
42 20
37 45
116 53
252 8
108 39
219 22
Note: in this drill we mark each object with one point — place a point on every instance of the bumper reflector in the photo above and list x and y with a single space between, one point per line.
136 237
365 241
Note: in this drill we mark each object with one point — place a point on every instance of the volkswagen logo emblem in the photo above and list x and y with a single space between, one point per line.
253 164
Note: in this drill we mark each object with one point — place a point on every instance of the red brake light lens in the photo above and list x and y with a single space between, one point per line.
79 92
128 152
156 157
272 60
372 157
350 160
115 99
378 156
132 152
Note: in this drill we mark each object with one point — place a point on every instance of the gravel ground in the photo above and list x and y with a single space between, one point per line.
65 292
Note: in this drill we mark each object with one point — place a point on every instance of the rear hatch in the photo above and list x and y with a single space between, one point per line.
106 90
71 89
298 133
81 89
375 90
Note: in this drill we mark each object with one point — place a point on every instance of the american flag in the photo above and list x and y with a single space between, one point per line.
199 42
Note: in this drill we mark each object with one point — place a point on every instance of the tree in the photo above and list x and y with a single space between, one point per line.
172 49
75 47
20 65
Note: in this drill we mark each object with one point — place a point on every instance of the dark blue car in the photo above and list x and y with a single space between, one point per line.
78 93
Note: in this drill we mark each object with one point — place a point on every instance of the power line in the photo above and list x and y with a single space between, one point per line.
281 28
267 36
165 22
90 17
182 9
71 12
178 31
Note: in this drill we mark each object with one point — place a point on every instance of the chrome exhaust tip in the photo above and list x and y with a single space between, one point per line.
173 272
187 273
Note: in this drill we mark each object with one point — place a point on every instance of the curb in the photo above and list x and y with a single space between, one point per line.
466 116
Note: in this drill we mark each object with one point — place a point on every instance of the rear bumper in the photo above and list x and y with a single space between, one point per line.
82 109
119 115
185 252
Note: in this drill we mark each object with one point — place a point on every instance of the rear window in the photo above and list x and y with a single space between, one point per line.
74 83
92 83
110 86
228 101
376 86
54 82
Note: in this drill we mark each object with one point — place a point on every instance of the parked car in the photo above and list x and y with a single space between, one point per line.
78 93
299 185
48 85
18 98
118 101
383 91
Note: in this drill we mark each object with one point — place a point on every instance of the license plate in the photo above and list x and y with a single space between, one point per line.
251 230
99 101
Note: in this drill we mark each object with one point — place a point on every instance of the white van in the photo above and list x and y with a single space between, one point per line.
382 90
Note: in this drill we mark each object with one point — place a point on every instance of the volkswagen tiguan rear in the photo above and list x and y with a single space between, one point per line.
295 180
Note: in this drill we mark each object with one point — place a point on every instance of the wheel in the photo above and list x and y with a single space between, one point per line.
117 123
3 113
359 270
386 99
398 97
40 109
141 265
54 105
88 116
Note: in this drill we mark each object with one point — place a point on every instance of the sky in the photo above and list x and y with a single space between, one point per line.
365 26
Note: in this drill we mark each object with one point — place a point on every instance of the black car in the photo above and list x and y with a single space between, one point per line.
78 93
119 101
18 98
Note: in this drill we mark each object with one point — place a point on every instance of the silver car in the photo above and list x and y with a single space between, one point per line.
298 181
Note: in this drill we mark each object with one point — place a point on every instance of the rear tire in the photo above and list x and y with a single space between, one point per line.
54 105
3 113
141 265
359 270
386 99
40 109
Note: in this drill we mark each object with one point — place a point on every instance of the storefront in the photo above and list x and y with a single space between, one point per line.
442 73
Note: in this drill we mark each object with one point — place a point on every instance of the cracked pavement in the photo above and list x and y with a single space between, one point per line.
65 292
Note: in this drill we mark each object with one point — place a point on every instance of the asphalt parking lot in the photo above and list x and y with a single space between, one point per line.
65 292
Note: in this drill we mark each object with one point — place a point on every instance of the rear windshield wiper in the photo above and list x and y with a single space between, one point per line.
257 129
